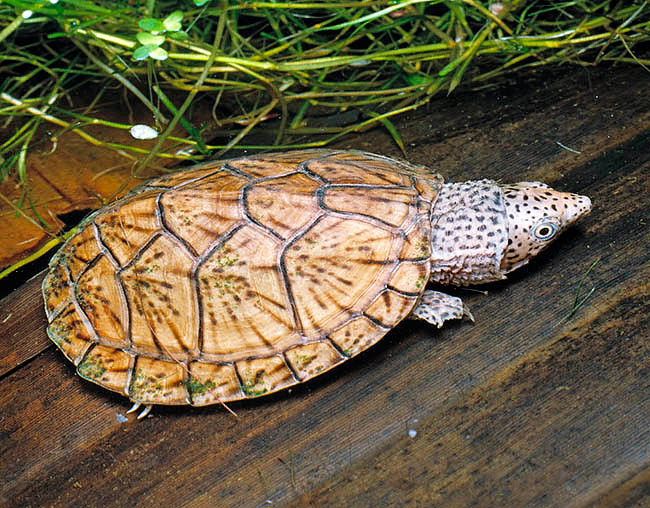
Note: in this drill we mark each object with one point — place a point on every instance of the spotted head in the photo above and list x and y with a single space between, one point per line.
481 230
536 214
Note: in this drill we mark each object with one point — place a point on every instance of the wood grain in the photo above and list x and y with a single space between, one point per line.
21 326
522 408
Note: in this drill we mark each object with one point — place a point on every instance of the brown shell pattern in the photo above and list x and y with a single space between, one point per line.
242 277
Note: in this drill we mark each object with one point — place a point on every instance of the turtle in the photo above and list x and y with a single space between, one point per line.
238 278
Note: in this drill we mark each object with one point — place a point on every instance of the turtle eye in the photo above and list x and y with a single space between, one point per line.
544 230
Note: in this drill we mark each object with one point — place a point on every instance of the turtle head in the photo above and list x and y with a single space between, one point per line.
481 230
536 214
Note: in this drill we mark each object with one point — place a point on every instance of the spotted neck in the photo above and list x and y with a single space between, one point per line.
469 233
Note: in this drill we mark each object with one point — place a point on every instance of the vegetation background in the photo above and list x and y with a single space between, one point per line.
97 96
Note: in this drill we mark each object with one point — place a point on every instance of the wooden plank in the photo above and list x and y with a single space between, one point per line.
516 409
22 321
561 425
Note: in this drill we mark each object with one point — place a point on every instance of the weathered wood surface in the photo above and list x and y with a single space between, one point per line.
519 409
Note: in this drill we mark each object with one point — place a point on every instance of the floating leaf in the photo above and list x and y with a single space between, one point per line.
147 39
158 53
141 131
151 25
142 53
172 22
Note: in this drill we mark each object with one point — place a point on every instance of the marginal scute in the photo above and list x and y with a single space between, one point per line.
410 277
390 307
56 286
391 206
340 172
274 164
100 297
246 308
108 367
285 204
184 177
260 376
80 250
162 301
356 335
125 229
376 164
158 382
428 188
333 267
69 333
417 245
309 360
294 157
211 383
202 212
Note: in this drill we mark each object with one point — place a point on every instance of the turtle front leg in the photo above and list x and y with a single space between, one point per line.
436 308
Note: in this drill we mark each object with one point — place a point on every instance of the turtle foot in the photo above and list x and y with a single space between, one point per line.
436 308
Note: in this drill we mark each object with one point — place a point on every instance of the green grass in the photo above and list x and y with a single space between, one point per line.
285 61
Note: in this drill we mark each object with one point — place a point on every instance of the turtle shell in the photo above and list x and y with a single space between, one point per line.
238 278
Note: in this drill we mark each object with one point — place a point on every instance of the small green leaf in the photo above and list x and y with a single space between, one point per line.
172 22
158 53
199 3
147 39
142 53
151 25
178 36
417 79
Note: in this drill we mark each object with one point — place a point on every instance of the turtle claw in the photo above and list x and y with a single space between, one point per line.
143 413
467 313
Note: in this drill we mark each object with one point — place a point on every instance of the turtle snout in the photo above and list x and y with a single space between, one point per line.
576 206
